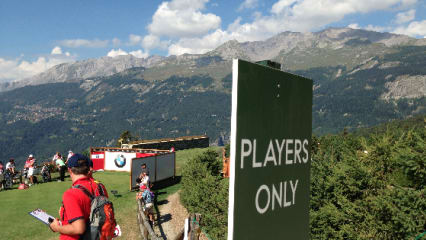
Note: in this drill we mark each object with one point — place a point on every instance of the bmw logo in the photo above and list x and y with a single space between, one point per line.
120 161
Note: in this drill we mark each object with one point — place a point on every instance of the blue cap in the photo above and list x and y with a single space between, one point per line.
73 161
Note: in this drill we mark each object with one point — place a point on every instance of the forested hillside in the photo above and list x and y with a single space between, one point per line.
360 80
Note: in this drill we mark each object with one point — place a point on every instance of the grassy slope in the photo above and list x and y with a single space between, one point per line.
15 204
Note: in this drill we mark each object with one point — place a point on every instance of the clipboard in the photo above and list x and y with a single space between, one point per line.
42 216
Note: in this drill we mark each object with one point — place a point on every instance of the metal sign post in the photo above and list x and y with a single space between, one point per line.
271 128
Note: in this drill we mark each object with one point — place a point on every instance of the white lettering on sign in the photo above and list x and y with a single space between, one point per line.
251 150
98 156
288 151
270 154
305 150
280 149
244 153
268 194
279 152
280 196
295 152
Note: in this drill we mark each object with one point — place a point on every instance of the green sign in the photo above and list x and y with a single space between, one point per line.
270 154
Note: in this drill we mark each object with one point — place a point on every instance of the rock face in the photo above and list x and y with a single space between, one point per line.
405 87
332 38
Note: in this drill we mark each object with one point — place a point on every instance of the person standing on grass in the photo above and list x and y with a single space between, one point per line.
148 198
56 156
70 153
10 166
144 176
144 169
31 164
60 165
1 175
75 210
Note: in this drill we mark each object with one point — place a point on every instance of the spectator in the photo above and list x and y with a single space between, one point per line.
75 210
148 198
59 163
144 171
1 175
45 172
10 166
145 179
10 170
141 186
31 164
70 153
56 156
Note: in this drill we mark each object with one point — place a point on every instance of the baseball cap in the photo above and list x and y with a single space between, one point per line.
73 161
30 155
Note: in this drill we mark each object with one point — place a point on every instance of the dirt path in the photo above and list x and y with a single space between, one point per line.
171 217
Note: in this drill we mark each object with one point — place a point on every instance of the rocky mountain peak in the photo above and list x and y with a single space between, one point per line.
277 47
228 50
94 67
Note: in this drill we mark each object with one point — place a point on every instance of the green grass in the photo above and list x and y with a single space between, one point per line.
15 204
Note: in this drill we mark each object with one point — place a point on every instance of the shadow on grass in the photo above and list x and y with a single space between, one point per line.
166 183
162 202
115 193
164 218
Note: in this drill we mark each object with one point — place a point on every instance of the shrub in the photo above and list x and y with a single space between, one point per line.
205 192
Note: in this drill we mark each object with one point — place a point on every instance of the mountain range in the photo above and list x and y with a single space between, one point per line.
361 78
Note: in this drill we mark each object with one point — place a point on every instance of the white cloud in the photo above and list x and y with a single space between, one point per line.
115 53
408 3
376 28
369 27
182 18
288 15
116 42
248 4
56 51
77 43
134 39
354 26
139 54
12 70
151 41
404 17
414 29
119 52
281 5
200 45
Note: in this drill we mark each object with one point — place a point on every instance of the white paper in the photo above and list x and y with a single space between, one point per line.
117 232
41 215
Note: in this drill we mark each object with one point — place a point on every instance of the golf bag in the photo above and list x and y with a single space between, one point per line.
45 173
8 180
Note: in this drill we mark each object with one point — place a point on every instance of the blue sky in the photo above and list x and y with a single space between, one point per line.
36 35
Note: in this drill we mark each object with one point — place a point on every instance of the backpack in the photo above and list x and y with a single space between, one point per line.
149 198
101 225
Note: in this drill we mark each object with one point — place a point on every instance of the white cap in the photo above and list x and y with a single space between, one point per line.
31 156
70 151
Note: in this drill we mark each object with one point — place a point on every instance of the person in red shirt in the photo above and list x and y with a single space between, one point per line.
75 210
